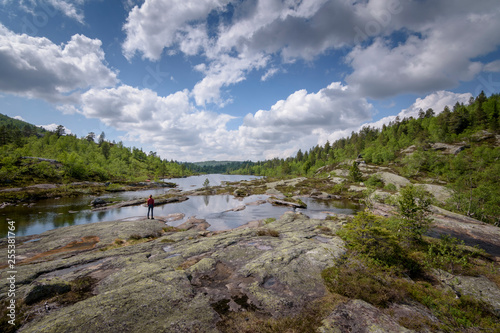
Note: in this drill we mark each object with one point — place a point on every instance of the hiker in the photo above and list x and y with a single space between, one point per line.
151 204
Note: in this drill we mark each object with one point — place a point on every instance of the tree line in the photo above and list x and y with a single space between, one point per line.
473 173
61 157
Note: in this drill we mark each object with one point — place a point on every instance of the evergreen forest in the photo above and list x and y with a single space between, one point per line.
30 155
406 146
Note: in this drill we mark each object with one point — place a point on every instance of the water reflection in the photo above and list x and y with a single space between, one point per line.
54 213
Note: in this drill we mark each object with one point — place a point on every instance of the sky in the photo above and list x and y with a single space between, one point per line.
198 80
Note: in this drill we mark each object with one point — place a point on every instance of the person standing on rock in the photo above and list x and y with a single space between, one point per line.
151 204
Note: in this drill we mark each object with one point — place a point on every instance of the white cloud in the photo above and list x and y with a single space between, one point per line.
49 8
302 119
153 26
52 127
444 39
180 131
270 73
69 9
493 66
171 124
223 72
435 101
35 67
438 56
19 118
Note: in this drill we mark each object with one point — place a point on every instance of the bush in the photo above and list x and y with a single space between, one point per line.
359 279
370 236
354 173
413 207
448 254
268 232
374 181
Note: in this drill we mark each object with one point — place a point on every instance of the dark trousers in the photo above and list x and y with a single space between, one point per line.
150 208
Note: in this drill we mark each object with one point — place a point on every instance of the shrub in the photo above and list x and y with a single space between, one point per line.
268 232
360 279
374 181
448 254
269 220
354 173
413 208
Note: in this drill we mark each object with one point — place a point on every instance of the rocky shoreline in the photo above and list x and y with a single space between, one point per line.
137 274
143 275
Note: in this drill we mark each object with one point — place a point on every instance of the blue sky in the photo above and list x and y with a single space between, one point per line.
199 80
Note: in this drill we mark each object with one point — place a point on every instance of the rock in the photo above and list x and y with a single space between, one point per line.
295 204
320 195
188 281
391 178
411 149
42 186
337 180
273 192
440 193
471 231
98 202
379 195
478 287
240 192
236 209
359 316
194 224
185 288
341 172
158 202
482 135
173 217
449 149
354 188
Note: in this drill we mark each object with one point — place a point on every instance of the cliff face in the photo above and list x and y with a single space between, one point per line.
137 275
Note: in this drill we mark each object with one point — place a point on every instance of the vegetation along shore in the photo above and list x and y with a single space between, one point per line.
423 256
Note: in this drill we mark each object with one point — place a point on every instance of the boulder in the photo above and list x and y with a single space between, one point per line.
98 202
449 149
391 178
194 224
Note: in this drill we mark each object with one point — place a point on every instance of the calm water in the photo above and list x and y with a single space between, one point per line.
54 213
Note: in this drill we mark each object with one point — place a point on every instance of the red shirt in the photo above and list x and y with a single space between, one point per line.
151 201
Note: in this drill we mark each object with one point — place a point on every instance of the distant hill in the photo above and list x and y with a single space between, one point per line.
26 151
217 166
12 129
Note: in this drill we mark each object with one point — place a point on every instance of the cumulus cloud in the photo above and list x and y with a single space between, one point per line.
178 130
52 127
69 8
153 26
242 38
301 119
35 67
437 55
171 124
401 46
223 72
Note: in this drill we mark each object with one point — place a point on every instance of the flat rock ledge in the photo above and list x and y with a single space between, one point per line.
179 282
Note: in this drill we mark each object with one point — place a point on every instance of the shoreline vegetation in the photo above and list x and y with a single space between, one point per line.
458 148
424 256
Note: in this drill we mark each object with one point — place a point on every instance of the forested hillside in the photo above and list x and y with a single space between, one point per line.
217 166
31 155
409 147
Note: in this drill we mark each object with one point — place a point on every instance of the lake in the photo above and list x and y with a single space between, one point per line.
49 214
